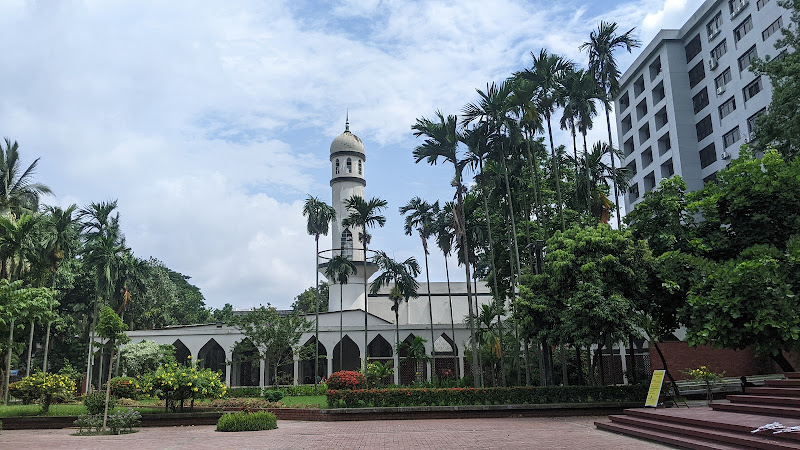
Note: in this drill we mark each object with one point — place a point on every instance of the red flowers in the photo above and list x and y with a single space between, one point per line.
346 379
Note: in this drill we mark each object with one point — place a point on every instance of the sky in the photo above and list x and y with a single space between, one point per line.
211 122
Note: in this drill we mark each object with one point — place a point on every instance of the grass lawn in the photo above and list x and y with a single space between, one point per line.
303 400
60 410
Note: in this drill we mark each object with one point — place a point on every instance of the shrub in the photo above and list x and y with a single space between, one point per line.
347 379
117 423
125 387
483 396
95 402
44 387
244 392
273 395
176 383
247 421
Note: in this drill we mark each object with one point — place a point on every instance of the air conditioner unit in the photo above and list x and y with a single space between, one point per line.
713 34
752 135
713 63
720 90
725 155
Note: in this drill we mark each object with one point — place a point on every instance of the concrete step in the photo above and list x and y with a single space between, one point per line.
771 410
766 400
664 438
792 374
778 391
788 382
724 437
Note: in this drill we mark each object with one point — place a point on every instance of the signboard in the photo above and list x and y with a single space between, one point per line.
14 372
655 388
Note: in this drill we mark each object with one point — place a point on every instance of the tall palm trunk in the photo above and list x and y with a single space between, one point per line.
556 173
430 311
30 348
613 167
341 325
8 362
452 321
46 347
366 301
316 316
465 253
588 175
496 292
533 166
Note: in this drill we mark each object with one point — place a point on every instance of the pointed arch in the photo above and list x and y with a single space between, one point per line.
379 348
346 355
336 170
349 165
212 356
306 375
245 364
182 353
445 346
360 170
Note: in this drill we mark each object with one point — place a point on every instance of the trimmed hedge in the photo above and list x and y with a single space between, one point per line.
484 396
247 421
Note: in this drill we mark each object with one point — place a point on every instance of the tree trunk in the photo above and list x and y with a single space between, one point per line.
666 369
430 311
613 168
564 378
632 371
8 362
452 321
465 252
341 325
581 381
366 301
316 315
556 174
782 362
108 386
30 349
46 348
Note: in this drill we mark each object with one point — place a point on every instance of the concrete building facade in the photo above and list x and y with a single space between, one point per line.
689 101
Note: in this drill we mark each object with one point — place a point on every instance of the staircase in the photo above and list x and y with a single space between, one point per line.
725 425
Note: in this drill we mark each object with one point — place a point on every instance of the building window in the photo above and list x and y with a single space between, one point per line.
655 68
736 6
743 28
700 100
627 147
359 167
693 48
723 79
760 4
714 26
337 166
752 120
626 124
667 169
726 108
638 86
633 192
696 74
349 165
631 169
659 93
731 137
710 179
752 89
347 244
647 157
664 144
744 60
644 133
720 50
775 26
641 109
649 182
624 101
708 156
704 128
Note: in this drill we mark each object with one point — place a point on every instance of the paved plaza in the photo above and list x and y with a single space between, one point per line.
519 433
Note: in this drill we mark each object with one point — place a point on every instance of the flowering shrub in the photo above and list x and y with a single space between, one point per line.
177 383
346 379
483 396
377 372
125 387
44 387
708 377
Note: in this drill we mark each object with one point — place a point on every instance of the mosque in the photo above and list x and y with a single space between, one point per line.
221 347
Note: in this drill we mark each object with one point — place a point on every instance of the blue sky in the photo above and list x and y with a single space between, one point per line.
211 121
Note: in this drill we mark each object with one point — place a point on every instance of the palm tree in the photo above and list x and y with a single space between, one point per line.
441 141
422 217
597 174
103 252
546 74
444 240
339 269
363 216
402 276
17 242
18 192
319 215
601 46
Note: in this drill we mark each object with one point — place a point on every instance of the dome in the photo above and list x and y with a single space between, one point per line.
347 142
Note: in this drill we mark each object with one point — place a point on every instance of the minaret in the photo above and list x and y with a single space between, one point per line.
347 179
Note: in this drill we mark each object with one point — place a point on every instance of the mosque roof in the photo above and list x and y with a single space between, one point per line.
347 142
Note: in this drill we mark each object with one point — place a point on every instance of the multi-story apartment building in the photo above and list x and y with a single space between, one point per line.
689 101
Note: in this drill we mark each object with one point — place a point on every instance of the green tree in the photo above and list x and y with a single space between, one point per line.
362 216
110 328
444 229
339 270
602 64
146 356
780 126
304 302
421 216
441 141
319 215
18 192
273 334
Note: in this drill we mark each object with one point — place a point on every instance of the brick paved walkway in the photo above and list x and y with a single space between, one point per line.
534 432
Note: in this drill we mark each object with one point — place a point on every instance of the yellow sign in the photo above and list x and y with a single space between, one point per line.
655 388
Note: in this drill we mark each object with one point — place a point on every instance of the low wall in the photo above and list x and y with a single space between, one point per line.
681 357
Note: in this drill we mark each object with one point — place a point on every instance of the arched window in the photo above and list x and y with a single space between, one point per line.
337 166
359 167
347 244
349 165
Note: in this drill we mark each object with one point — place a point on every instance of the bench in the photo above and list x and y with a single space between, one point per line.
725 385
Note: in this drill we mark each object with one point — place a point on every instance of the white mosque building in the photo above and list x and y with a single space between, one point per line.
218 346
